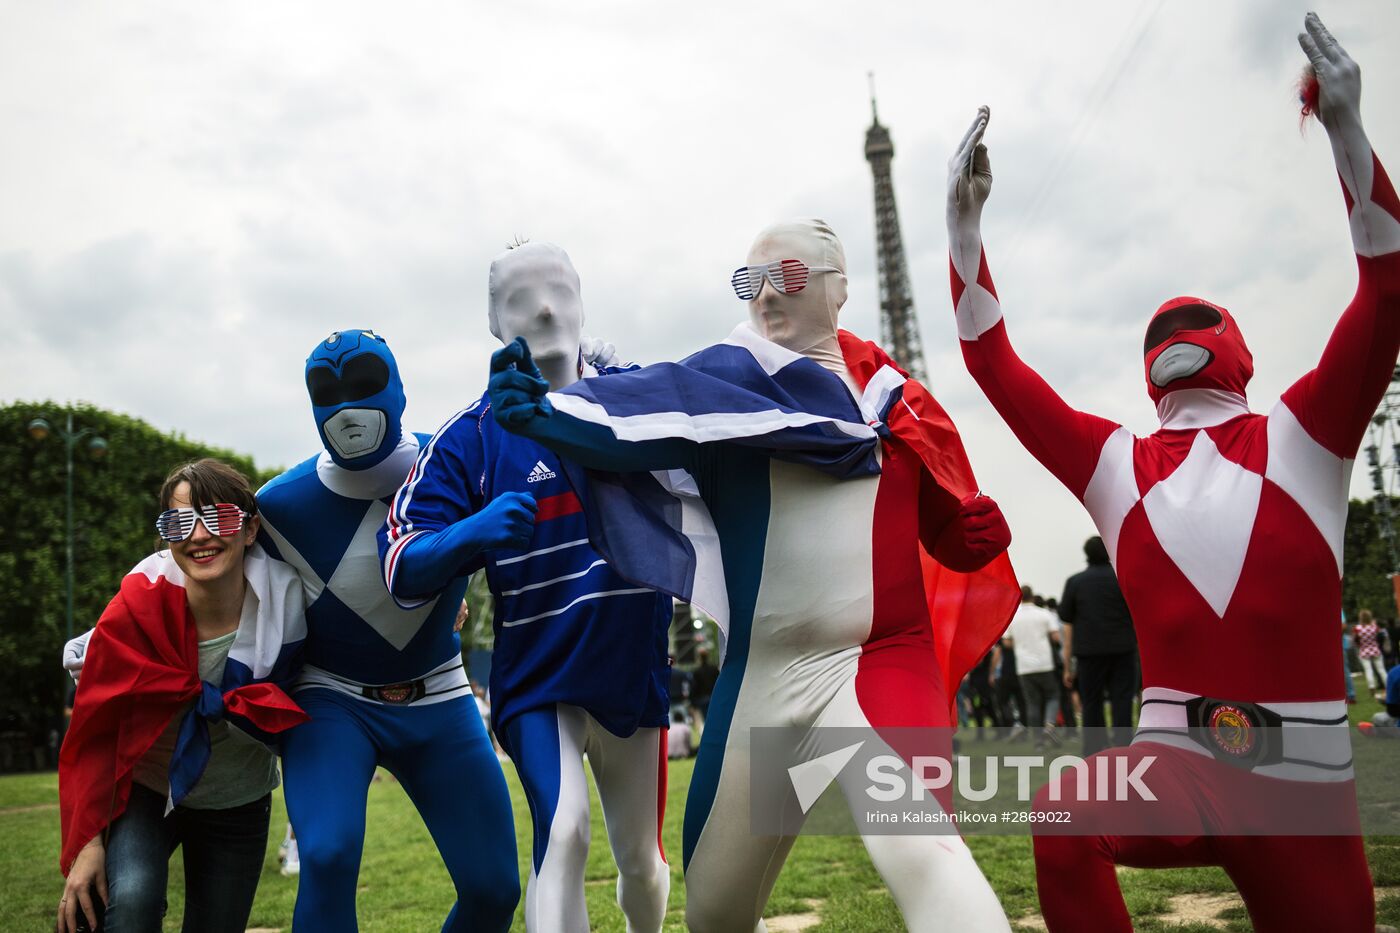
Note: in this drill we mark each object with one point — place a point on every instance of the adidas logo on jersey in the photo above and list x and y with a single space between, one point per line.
539 473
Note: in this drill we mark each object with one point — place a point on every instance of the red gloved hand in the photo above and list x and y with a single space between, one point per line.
975 535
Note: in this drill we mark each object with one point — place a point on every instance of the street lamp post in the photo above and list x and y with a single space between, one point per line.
39 430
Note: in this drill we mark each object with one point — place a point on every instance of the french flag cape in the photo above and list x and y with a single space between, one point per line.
654 528
142 666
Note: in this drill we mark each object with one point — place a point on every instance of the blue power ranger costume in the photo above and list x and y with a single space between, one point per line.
384 685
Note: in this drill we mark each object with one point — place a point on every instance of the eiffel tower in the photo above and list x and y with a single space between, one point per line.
899 328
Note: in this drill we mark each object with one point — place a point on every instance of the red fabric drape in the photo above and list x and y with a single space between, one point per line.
969 610
141 667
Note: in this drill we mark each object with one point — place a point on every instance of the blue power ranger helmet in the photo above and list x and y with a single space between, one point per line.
356 396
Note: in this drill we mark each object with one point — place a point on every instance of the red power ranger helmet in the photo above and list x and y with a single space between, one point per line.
1193 344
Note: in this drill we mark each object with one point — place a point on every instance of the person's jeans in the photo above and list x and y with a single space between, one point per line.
1011 704
1042 692
223 855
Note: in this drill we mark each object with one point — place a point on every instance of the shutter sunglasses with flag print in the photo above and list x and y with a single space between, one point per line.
222 518
788 276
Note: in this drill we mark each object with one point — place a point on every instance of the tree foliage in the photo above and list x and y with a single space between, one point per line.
1368 560
114 510
477 634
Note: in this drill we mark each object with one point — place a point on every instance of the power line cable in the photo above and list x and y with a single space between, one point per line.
1098 95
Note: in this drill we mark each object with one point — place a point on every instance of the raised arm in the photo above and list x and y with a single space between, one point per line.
1335 401
1066 441
519 402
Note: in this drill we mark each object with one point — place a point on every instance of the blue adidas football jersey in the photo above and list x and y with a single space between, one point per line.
568 628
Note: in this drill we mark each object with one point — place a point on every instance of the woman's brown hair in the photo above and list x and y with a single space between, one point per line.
210 481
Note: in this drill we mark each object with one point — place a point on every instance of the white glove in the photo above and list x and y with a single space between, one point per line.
1338 77
969 177
73 654
1372 215
969 185
597 352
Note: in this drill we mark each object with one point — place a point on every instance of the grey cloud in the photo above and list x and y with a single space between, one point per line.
361 176
117 284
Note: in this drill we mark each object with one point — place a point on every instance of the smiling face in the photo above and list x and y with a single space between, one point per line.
205 557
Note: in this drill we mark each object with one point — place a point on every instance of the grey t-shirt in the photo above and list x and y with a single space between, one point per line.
241 769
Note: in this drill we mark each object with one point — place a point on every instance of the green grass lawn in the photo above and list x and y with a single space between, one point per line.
403 886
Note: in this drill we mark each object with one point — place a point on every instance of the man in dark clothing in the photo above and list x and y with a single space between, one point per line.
703 684
1098 634
984 704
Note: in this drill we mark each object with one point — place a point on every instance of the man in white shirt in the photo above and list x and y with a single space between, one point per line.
1034 634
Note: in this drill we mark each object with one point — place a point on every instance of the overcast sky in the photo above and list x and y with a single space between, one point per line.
191 196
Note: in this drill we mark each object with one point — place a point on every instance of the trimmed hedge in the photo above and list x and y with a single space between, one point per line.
114 508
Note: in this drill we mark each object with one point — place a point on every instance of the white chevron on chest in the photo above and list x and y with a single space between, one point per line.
357 581
1203 516
359 584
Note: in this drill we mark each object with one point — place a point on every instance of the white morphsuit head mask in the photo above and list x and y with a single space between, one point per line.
804 322
533 292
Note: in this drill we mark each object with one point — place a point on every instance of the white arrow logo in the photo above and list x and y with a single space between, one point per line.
811 778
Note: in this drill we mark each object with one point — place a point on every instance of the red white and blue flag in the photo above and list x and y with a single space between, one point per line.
655 529
142 668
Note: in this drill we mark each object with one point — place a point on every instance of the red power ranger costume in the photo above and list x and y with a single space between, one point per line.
1225 527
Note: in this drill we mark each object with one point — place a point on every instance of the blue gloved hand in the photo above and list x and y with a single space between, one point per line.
507 521
517 390
430 561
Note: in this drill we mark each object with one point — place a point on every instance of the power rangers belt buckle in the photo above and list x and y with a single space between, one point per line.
1235 733
398 693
